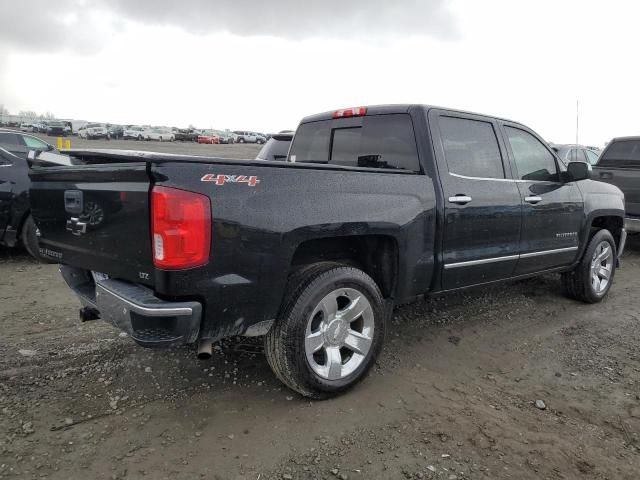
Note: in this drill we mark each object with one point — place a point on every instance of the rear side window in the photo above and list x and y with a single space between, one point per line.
533 161
378 141
622 153
471 148
7 138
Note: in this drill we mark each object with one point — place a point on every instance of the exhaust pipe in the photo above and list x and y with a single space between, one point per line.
205 349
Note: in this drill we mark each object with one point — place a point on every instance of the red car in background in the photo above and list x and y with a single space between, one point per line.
208 137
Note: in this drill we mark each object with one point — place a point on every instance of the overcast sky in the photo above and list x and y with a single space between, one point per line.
249 64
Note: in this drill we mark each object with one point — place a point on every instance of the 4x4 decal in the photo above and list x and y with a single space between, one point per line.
220 179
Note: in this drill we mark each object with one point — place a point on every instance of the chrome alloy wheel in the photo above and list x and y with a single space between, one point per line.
601 267
339 334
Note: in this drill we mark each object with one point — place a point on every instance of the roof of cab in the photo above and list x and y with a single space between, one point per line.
396 108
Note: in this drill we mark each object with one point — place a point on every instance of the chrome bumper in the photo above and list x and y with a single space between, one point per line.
632 224
134 309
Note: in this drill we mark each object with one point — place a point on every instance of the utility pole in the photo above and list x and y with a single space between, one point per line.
577 119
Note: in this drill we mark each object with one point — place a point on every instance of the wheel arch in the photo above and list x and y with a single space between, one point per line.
376 255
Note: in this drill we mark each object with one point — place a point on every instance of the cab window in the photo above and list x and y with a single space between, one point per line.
35 143
533 160
471 148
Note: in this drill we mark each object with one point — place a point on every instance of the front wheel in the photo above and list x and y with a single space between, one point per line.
329 330
591 280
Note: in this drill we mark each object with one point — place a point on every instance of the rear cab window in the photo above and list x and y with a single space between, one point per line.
375 141
621 154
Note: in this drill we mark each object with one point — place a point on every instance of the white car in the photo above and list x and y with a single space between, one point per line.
26 127
93 130
160 134
135 132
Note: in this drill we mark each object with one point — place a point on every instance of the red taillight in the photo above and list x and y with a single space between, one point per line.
350 112
180 228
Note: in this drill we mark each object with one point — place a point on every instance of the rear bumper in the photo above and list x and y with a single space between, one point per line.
134 309
632 224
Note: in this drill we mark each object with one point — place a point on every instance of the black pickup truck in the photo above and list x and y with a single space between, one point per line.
374 207
619 165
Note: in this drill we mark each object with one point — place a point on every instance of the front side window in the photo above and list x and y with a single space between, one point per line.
378 141
533 161
35 143
471 148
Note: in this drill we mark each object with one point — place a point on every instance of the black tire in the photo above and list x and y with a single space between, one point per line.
29 237
577 283
241 140
285 341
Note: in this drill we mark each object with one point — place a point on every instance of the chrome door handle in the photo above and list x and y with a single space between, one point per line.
534 199
462 199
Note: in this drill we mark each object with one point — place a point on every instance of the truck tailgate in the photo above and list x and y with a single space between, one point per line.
95 217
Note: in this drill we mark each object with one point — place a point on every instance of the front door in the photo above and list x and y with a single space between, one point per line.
482 210
552 212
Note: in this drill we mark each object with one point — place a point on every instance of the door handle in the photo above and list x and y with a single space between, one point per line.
461 199
534 199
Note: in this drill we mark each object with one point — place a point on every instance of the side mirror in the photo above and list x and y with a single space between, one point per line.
577 171
50 147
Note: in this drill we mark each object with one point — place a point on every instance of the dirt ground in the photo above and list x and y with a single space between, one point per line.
452 396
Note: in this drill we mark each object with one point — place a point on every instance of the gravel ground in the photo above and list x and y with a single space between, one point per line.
452 397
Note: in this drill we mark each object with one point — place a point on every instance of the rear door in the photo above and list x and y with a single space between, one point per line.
483 208
553 211
619 165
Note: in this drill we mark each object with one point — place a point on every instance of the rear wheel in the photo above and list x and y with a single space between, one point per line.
241 140
329 331
592 278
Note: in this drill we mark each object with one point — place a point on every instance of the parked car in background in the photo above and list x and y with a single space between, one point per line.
93 131
40 127
619 164
20 143
58 129
576 153
186 134
26 127
384 205
160 134
209 137
277 147
116 131
17 226
134 132
243 136
225 136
